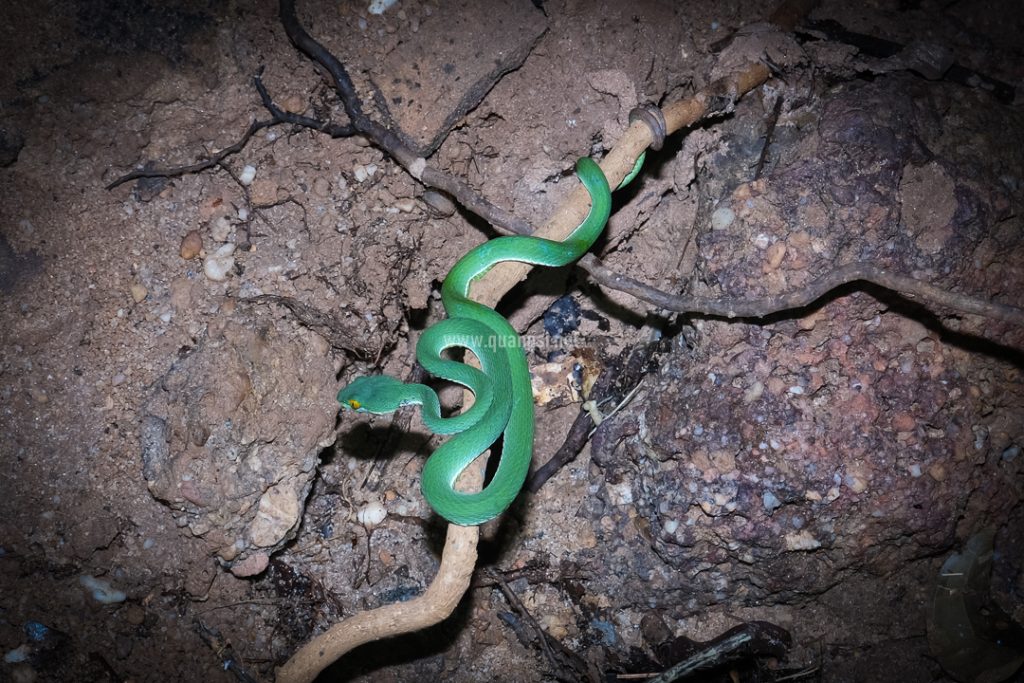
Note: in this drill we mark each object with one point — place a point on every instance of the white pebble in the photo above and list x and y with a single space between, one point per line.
247 175
371 169
722 218
218 264
371 514
220 229
360 173
101 590
243 213
18 654
379 6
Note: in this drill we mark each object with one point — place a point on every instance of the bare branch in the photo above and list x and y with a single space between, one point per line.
908 287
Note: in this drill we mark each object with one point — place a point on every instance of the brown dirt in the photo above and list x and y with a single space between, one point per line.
175 435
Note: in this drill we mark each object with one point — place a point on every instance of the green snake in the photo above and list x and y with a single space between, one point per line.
503 395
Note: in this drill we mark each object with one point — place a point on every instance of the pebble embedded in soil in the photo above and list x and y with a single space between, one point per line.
362 173
138 293
293 104
371 514
722 218
101 590
379 6
220 229
191 245
251 566
247 175
218 264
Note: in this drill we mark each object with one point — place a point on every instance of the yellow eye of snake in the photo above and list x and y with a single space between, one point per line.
354 404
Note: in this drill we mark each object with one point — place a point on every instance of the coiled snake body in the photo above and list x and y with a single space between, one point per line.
502 389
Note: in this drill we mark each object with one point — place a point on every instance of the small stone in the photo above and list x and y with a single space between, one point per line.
937 472
229 552
264 192
277 515
220 229
371 514
724 461
809 322
101 590
321 188
251 566
774 256
856 482
293 104
138 293
218 264
360 173
801 540
135 615
904 422
722 218
247 175
191 245
405 205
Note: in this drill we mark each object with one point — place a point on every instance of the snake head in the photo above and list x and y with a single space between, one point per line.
378 394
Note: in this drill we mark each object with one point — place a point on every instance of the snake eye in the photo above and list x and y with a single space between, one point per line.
354 404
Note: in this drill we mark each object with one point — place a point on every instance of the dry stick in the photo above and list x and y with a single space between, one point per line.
458 558
196 167
758 308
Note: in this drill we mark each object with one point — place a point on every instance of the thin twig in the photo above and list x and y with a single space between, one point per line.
210 162
566 665
773 120
908 287
524 613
